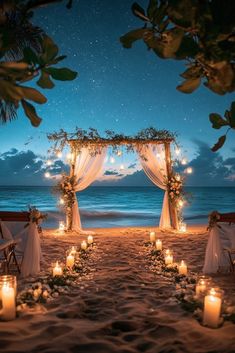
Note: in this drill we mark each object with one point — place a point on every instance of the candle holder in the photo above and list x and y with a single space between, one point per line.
90 239
70 259
8 291
212 308
84 245
168 257
202 285
158 245
57 269
152 237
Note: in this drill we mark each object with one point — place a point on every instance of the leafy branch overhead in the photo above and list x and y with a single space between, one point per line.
202 33
26 53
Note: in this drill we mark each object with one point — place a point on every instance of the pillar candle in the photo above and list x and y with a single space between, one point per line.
90 239
70 260
84 245
8 303
169 259
212 308
183 268
159 244
73 251
152 236
57 270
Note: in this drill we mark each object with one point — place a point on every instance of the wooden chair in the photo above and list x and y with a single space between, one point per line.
230 219
7 247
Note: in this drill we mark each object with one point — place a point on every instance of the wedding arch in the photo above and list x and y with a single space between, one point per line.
87 155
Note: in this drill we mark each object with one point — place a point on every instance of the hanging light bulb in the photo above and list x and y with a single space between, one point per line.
61 201
49 162
112 159
47 175
184 161
119 153
180 203
59 154
189 170
177 151
122 167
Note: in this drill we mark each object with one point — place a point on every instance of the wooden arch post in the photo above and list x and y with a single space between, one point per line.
73 151
172 205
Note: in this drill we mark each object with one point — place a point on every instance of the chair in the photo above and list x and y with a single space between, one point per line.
8 245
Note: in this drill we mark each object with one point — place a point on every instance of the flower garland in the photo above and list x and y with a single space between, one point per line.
47 288
184 286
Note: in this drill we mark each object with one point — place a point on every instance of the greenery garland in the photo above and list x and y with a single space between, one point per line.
94 141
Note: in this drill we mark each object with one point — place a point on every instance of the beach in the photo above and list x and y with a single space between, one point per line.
120 305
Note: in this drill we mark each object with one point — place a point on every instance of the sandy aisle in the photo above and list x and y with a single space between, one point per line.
124 307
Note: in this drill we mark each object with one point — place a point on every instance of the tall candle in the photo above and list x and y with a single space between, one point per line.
84 245
212 308
159 244
73 251
90 239
152 236
169 259
70 260
57 270
8 303
183 268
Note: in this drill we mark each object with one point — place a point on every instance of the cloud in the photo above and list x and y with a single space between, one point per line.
132 166
210 169
110 172
26 168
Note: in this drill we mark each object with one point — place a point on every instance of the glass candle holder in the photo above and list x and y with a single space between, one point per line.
70 259
57 269
168 257
212 307
152 237
158 244
8 291
202 285
84 245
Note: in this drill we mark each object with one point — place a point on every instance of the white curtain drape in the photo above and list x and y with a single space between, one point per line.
87 168
153 161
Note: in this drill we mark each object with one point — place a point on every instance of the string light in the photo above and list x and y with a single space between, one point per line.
184 161
70 156
61 201
189 170
180 203
112 160
47 175
119 153
49 162
122 167
59 154
177 151
158 155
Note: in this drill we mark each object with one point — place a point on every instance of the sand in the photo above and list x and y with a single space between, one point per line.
121 306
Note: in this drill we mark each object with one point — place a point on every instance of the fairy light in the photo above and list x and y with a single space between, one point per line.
189 170
112 160
119 153
47 175
158 155
184 161
180 203
177 151
69 156
122 167
59 154
49 162
61 201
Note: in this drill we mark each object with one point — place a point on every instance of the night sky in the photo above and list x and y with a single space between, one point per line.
120 89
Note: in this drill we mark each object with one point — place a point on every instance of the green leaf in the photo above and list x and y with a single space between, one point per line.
189 85
50 49
232 115
30 56
31 113
219 143
138 11
45 81
62 74
129 38
217 121
33 95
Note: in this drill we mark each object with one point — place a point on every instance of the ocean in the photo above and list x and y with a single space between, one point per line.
118 206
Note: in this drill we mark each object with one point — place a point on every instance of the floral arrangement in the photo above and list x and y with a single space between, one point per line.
66 188
184 286
175 186
214 217
36 216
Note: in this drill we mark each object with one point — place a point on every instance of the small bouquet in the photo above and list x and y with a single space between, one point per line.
175 186
214 217
36 216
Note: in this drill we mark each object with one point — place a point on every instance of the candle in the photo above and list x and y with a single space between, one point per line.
202 284
152 236
73 251
159 244
169 259
212 308
84 245
183 227
90 239
182 268
57 270
70 261
8 311
61 227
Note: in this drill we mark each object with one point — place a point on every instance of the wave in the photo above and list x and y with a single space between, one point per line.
199 216
114 214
